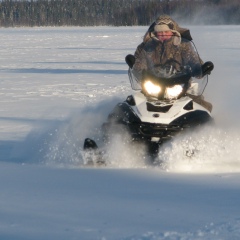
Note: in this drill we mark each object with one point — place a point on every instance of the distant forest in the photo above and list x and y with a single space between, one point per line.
14 13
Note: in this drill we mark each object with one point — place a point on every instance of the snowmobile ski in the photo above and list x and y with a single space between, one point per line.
92 154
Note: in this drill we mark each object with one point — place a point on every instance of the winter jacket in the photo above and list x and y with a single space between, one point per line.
155 56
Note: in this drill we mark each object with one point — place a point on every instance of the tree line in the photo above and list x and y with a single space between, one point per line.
15 13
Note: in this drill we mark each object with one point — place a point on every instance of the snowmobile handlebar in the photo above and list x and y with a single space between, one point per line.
207 67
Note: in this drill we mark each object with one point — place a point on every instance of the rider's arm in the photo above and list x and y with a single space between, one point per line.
140 61
192 59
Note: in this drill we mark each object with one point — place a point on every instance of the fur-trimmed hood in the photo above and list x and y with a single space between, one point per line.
183 32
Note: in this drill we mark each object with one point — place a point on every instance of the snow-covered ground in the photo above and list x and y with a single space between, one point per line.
57 87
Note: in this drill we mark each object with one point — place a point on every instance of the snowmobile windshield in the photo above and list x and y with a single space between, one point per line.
183 66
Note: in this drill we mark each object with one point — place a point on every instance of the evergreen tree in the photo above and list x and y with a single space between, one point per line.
114 12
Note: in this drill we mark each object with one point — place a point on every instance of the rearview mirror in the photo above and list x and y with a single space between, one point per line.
130 60
207 67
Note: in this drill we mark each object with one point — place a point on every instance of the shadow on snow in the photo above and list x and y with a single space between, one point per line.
66 71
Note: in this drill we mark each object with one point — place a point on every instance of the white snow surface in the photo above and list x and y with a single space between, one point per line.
57 87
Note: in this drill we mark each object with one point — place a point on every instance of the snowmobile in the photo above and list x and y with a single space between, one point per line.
162 105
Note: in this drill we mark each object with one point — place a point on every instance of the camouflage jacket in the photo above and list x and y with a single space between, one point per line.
155 55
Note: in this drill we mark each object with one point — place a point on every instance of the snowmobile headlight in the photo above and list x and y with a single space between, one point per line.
173 92
151 88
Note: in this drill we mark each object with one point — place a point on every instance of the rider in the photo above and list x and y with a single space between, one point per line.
162 51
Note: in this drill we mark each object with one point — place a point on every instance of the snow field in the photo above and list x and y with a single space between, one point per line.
57 87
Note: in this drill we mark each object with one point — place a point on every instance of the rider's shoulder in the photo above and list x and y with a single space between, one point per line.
185 44
151 45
